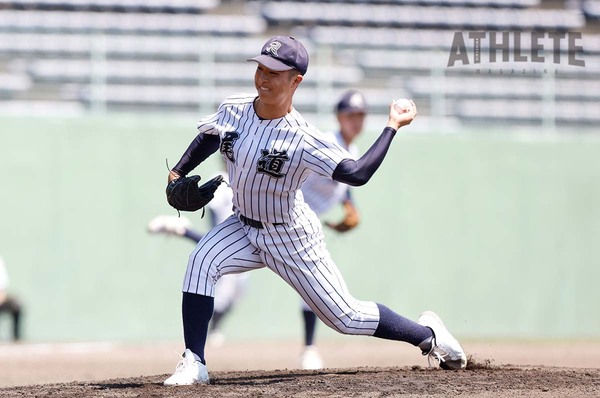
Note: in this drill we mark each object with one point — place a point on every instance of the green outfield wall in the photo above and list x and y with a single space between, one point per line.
498 232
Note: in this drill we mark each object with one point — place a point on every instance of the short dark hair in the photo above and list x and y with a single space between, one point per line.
293 72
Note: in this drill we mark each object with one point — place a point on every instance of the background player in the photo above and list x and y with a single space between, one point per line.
321 194
9 303
270 151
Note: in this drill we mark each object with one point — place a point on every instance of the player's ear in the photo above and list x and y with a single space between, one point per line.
296 78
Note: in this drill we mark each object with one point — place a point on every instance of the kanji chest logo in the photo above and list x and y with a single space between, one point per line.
271 162
227 144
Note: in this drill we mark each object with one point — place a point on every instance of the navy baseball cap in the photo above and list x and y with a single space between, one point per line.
352 102
283 53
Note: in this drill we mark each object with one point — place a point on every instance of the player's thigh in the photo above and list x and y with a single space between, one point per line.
225 249
310 270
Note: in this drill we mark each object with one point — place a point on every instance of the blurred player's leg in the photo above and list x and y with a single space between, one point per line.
172 225
230 288
310 358
169 225
12 306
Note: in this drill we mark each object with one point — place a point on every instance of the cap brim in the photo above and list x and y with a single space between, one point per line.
270 63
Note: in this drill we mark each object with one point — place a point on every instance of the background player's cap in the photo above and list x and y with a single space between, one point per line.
283 53
352 102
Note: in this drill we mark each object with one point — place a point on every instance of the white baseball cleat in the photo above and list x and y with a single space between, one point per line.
311 359
189 371
169 225
445 348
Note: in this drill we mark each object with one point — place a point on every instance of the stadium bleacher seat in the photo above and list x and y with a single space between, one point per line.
172 73
115 23
171 47
180 55
309 99
426 60
459 3
54 107
507 110
11 83
290 13
396 38
500 87
165 6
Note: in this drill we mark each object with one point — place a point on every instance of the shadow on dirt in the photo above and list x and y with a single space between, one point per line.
115 386
281 376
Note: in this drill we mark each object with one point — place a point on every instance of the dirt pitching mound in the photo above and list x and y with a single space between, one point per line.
481 379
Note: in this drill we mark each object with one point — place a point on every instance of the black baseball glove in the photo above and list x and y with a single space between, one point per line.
184 193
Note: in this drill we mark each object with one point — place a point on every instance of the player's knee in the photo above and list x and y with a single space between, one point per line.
201 275
347 323
344 329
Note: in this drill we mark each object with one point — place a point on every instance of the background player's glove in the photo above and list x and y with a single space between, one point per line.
184 193
351 219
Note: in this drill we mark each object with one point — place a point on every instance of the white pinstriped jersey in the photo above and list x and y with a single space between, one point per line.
269 160
322 193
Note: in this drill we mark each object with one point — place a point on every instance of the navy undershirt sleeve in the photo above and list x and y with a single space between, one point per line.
358 172
199 150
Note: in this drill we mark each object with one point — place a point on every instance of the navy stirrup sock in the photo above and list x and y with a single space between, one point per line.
310 324
396 327
196 311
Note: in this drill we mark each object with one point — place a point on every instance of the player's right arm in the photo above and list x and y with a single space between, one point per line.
358 172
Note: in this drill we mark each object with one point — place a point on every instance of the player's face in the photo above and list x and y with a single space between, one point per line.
351 124
275 87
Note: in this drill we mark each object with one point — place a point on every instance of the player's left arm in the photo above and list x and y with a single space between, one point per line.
183 193
358 172
205 144
197 152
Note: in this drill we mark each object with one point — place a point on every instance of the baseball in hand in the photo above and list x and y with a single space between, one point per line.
402 105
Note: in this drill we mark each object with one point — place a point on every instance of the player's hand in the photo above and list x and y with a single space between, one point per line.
398 119
173 175
350 221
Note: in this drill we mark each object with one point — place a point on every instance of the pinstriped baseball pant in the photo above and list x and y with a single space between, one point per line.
296 253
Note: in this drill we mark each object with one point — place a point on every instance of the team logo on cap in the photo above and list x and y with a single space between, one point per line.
271 162
227 144
273 47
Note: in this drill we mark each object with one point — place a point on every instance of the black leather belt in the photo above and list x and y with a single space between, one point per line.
255 224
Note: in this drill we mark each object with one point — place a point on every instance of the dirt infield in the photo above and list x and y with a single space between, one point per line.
352 382
358 370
